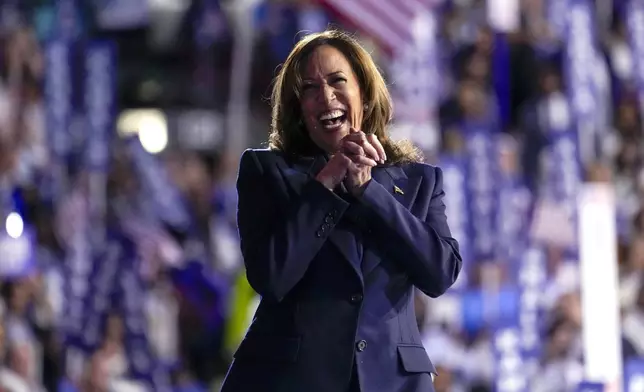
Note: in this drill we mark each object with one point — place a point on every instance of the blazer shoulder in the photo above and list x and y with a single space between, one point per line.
421 169
260 159
260 151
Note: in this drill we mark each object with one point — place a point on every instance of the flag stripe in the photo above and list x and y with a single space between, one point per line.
389 23
415 5
372 22
391 16
409 7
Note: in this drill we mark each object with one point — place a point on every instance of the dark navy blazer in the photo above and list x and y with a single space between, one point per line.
337 274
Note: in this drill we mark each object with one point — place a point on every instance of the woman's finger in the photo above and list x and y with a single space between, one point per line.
361 139
373 140
370 150
362 160
355 136
352 148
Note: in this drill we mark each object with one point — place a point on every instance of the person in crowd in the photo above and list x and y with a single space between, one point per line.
110 362
338 226
9 380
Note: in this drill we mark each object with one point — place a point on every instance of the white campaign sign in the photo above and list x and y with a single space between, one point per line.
599 284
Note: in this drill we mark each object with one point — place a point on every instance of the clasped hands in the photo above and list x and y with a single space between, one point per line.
352 164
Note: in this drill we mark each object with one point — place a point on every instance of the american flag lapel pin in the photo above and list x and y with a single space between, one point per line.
398 190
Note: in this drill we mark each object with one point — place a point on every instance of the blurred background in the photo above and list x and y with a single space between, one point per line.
122 122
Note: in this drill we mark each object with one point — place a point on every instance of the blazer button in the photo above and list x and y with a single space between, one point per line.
355 298
362 345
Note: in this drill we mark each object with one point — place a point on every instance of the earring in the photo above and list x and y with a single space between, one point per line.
366 106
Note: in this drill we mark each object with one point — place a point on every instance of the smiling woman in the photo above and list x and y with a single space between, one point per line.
330 98
331 71
338 225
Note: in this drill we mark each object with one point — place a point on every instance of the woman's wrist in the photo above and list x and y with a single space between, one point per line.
327 181
357 191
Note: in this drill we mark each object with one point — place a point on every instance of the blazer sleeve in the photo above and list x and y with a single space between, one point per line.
277 242
423 246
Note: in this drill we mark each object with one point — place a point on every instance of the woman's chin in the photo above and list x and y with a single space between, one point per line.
331 139
338 136
333 144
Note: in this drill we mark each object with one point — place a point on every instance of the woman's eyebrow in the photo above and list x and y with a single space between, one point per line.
335 73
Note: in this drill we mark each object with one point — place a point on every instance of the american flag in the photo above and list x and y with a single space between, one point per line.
394 24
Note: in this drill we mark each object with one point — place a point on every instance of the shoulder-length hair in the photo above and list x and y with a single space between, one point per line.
288 133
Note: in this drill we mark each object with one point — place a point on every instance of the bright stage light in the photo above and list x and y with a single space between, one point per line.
153 133
14 225
150 125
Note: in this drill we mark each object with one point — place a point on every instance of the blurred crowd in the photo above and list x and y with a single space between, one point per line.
183 332
537 84
195 299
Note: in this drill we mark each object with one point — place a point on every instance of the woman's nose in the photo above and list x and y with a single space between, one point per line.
326 94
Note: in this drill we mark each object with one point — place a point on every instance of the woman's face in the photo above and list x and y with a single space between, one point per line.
330 100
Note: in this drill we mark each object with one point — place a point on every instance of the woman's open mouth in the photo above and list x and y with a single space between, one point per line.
333 119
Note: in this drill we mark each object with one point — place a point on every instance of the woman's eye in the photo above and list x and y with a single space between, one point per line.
339 80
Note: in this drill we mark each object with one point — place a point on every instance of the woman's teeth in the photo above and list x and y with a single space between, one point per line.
332 119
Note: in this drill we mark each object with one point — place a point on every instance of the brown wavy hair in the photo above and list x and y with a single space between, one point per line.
288 133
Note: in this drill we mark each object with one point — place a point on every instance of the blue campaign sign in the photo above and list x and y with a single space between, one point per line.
58 96
531 278
581 51
166 199
455 182
510 375
100 101
482 171
473 310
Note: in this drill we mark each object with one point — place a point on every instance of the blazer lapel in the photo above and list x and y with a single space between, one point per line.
403 189
345 241
298 173
394 179
296 176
